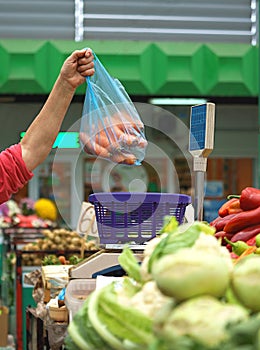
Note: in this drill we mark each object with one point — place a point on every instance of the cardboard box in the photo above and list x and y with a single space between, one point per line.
54 278
4 313
87 223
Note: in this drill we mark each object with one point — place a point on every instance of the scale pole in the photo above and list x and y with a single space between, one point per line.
199 196
199 167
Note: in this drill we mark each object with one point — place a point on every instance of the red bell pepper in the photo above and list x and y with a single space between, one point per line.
250 198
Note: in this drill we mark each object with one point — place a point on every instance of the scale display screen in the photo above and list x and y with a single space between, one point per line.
202 122
198 127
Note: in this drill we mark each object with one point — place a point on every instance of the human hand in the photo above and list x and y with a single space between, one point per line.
77 67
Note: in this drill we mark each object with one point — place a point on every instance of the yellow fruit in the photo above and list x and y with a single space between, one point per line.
46 209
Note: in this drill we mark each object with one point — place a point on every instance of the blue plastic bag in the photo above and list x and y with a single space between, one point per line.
111 127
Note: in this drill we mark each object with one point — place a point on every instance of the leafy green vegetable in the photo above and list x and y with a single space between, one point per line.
50 260
100 327
136 314
183 343
246 333
74 260
136 328
170 223
189 273
203 319
174 241
129 263
183 236
103 323
82 335
129 287
245 282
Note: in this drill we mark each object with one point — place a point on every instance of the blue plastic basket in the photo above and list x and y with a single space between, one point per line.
124 217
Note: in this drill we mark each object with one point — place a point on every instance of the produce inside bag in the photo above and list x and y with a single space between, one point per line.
111 127
115 140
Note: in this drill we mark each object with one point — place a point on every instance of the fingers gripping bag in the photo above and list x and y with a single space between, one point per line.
111 127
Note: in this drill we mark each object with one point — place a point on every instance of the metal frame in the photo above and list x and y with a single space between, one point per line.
166 21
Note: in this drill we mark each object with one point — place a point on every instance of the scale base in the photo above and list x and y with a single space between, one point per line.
100 261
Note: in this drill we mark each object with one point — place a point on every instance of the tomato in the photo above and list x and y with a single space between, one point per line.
62 259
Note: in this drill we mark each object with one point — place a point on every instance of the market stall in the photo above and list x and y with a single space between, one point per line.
56 307
190 292
183 284
31 239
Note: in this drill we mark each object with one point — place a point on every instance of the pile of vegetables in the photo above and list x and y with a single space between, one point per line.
186 294
238 222
52 259
28 213
59 239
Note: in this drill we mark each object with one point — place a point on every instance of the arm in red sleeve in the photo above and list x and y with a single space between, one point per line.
13 172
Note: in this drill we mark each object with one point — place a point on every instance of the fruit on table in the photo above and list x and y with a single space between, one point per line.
56 240
245 281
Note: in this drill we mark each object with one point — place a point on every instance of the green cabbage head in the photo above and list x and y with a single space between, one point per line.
203 320
191 272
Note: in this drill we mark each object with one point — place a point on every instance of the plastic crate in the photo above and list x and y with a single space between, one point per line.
124 217
76 293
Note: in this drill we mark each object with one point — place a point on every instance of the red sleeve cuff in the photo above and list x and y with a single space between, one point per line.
13 172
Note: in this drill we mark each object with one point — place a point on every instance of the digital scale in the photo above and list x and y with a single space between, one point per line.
201 141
